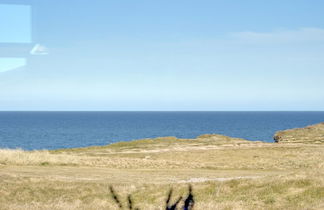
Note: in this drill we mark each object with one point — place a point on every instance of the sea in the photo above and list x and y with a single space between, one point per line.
55 130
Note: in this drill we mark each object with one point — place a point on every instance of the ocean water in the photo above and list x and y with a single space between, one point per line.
53 130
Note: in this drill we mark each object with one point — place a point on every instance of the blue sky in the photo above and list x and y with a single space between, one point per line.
165 55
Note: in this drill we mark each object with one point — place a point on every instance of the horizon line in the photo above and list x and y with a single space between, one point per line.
161 110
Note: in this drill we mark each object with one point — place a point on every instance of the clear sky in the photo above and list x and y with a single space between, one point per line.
164 55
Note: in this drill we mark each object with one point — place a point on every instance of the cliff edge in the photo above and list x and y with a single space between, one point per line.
311 134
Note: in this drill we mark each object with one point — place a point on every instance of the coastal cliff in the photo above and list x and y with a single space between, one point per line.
311 134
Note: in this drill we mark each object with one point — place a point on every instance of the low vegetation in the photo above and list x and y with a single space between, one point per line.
225 173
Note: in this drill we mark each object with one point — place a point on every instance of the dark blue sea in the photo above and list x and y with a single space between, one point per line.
53 130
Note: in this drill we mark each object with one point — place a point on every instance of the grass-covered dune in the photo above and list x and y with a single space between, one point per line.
226 173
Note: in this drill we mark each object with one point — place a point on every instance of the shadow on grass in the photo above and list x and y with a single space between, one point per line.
188 203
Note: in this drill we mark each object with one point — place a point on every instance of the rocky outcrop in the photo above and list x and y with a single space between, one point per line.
311 134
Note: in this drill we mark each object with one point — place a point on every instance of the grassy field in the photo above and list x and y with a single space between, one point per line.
226 173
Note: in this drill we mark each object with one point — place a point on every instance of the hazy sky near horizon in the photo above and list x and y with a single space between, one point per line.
164 55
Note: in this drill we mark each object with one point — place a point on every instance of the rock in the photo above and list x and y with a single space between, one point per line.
311 134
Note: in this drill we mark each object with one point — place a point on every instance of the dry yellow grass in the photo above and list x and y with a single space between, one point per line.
226 173
21 157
